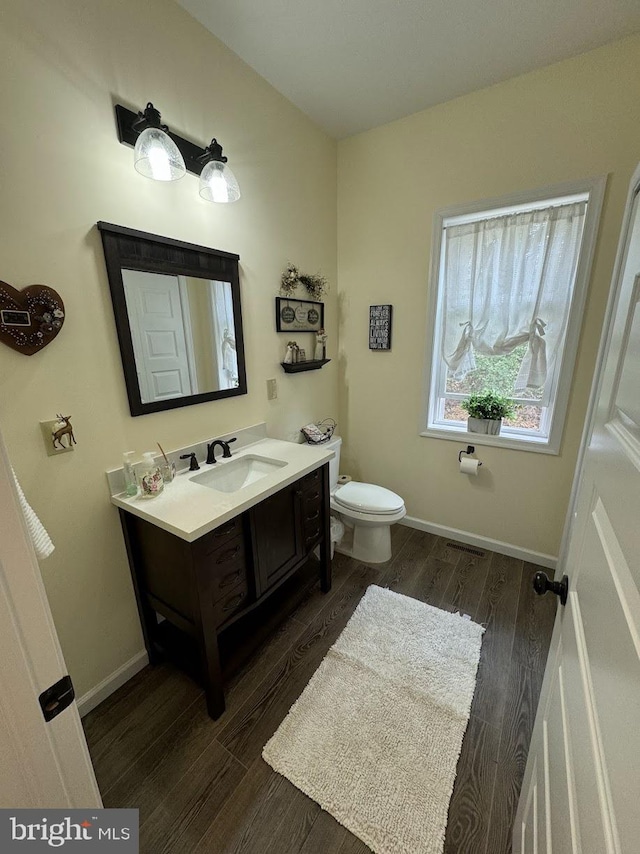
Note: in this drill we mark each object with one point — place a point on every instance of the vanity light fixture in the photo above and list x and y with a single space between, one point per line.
156 155
164 156
217 181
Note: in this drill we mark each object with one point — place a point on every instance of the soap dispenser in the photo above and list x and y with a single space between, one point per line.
130 484
150 476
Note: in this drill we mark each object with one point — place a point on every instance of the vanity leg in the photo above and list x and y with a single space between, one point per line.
148 618
213 686
208 644
325 543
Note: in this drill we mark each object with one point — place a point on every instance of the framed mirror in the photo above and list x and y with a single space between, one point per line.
178 318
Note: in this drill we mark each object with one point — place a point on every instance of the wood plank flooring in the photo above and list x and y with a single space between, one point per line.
201 785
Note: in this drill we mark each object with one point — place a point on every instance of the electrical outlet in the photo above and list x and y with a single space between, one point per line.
272 389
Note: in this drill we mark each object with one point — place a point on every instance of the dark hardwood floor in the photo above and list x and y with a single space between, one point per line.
201 785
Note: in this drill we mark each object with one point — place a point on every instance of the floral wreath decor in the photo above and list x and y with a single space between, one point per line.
292 277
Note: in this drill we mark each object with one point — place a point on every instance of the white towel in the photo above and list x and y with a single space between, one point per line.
39 537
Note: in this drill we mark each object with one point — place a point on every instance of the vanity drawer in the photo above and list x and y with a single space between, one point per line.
311 500
312 507
226 556
220 536
312 535
312 483
234 575
311 504
234 600
311 517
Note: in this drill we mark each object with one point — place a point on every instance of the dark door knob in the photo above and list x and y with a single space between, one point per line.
542 583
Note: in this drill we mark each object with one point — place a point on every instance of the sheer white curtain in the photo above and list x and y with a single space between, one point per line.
508 281
226 357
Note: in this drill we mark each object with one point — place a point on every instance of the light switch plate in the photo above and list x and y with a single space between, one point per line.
48 429
272 389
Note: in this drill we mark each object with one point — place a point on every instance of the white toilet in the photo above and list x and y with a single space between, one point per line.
367 512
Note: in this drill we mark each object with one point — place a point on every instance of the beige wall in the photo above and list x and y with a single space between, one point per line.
572 120
63 65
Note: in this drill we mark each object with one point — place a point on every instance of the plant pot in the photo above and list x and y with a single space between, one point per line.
484 425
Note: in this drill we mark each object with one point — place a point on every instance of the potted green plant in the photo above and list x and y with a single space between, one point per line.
486 412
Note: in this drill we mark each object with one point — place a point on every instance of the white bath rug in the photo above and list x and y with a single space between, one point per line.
376 734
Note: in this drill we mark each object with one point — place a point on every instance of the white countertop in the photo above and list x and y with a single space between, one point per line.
189 509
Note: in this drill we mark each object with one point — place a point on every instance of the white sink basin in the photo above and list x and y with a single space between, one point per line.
234 475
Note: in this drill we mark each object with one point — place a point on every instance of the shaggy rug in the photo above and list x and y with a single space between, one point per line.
375 736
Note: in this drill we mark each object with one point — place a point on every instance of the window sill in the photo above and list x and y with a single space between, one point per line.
537 445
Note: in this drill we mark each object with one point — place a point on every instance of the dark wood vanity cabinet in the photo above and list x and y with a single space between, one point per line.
207 588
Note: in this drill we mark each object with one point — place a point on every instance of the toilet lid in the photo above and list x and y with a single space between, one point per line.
367 498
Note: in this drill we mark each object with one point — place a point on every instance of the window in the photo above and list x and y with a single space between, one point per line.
505 312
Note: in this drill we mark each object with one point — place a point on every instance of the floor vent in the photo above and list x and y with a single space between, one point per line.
466 549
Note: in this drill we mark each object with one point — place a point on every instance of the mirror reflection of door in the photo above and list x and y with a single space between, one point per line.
157 323
182 330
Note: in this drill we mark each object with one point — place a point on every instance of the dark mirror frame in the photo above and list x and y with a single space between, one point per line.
128 249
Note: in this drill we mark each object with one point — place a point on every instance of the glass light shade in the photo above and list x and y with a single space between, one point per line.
157 156
218 183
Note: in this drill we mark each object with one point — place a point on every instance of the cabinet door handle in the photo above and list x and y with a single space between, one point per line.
315 516
314 496
230 578
312 537
228 555
237 599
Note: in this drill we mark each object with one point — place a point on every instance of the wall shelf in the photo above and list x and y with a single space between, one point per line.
309 365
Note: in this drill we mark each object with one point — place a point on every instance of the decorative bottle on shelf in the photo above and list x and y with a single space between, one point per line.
320 351
130 485
288 356
150 476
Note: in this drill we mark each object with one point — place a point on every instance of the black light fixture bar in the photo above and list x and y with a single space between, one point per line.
125 120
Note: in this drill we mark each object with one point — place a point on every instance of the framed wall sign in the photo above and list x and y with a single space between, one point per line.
294 315
380 327
298 315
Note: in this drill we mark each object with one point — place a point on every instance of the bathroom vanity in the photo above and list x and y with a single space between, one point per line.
214 558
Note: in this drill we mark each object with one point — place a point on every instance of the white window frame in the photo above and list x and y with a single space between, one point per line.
431 420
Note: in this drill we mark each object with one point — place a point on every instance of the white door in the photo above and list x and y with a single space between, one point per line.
157 323
41 764
582 784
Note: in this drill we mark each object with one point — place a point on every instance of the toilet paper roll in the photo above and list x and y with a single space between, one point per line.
469 466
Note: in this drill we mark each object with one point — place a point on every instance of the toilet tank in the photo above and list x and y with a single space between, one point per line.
334 465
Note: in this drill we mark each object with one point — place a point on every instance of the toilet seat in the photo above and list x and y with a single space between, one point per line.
368 498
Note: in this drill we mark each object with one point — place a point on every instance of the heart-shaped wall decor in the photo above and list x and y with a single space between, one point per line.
31 318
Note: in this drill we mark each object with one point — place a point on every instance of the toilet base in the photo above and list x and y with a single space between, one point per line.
366 543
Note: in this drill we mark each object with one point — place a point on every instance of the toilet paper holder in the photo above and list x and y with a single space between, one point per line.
470 450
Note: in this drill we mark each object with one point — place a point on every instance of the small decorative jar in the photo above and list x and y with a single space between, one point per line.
168 470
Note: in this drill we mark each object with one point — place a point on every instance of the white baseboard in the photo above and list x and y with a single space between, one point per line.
103 689
470 539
